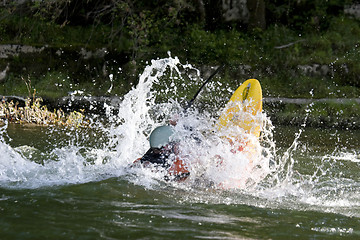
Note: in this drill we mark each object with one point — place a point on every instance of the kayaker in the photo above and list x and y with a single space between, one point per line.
164 152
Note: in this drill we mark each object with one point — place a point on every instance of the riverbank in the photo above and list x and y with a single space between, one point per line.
338 113
57 58
342 113
81 64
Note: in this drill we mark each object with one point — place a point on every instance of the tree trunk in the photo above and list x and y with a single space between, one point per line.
256 14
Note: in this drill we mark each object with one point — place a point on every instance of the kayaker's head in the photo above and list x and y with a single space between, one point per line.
161 136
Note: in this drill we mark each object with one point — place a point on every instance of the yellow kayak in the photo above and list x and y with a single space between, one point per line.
243 106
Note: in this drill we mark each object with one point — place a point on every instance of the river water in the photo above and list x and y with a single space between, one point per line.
77 183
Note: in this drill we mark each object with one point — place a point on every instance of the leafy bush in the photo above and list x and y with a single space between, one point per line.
305 15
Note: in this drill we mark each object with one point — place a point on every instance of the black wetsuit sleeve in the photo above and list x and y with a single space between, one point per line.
155 158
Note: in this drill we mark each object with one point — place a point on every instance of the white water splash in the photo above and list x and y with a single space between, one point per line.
70 160
275 179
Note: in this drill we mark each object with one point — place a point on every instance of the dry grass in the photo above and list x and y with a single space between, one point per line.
35 113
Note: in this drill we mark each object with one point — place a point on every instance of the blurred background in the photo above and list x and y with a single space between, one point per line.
297 49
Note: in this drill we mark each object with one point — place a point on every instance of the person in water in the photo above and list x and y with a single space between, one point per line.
164 153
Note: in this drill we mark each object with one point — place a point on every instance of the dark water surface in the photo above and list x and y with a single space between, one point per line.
322 200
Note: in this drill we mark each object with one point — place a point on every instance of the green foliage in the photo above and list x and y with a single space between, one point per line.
347 109
143 30
305 15
53 85
211 47
13 86
323 113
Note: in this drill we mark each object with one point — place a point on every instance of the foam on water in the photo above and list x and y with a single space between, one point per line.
61 165
270 179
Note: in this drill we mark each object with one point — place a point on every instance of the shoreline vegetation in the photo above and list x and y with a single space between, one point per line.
32 111
65 48
338 113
